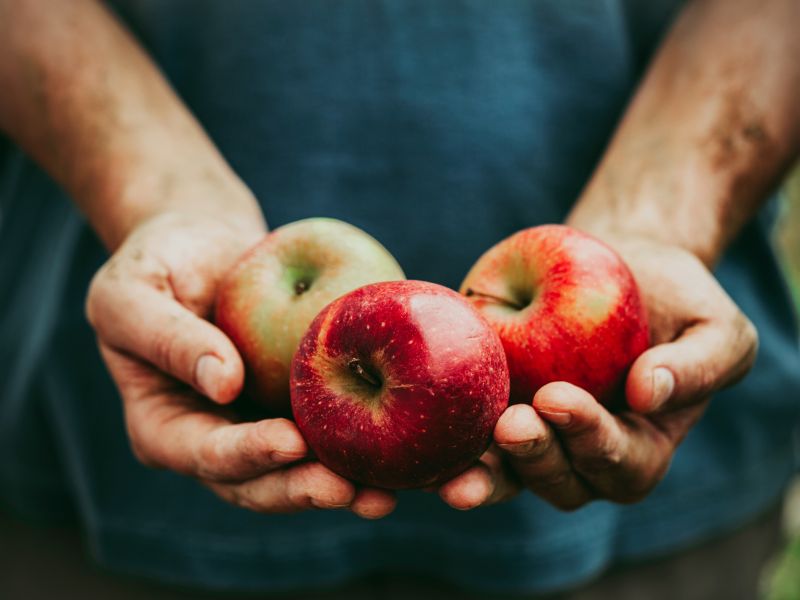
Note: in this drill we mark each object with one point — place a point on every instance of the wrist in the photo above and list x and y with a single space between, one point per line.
131 192
671 196
646 223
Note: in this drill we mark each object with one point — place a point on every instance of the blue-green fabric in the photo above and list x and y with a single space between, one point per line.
440 128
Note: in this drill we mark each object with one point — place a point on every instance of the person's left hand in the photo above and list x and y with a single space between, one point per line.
569 449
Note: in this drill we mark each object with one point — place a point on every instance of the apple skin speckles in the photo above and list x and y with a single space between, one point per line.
566 308
269 298
443 385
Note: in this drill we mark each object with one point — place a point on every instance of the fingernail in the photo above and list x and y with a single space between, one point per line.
663 386
207 373
562 419
519 448
284 457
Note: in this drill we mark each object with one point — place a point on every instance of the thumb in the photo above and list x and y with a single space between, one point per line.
705 358
143 322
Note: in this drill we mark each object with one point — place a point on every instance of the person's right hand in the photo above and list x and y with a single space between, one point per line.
149 305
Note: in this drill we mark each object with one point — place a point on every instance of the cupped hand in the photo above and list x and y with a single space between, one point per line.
569 449
176 372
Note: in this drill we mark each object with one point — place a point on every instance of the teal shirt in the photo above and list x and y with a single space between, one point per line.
440 128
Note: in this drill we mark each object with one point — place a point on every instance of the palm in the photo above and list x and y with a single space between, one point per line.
150 304
569 449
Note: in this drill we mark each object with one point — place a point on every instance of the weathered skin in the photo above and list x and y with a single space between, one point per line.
434 382
566 307
267 301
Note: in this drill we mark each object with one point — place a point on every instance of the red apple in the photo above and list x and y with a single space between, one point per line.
267 301
399 385
566 307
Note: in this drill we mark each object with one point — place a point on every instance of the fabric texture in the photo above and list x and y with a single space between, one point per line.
730 567
439 128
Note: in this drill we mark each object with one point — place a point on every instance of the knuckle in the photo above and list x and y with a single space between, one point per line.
598 463
248 503
297 493
553 480
701 381
261 437
743 343
311 485
239 496
236 497
249 451
299 481
249 447
209 457
162 348
708 382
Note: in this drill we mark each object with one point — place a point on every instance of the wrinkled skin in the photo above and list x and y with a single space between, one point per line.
149 306
569 449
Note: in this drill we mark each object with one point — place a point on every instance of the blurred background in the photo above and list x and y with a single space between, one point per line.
787 233
782 576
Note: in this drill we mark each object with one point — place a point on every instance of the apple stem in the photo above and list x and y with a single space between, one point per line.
470 292
357 368
300 287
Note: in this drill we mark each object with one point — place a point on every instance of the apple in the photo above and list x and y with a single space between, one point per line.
269 298
566 307
399 385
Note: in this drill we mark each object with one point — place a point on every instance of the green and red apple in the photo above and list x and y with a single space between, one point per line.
566 308
399 385
267 301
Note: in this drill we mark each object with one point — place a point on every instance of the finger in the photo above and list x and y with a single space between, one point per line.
468 490
487 482
235 452
535 454
293 489
704 359
620 458
506 483
147 323
372 503
170 427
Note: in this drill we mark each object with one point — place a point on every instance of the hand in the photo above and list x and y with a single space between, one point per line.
569 449
149 305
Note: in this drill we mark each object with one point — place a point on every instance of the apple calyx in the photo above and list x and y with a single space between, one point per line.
301 286
358 369
515 305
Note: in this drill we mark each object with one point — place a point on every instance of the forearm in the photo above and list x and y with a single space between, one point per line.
82 98
711 130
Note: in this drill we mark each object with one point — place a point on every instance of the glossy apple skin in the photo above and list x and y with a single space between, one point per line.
583 320
258 305
443 385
